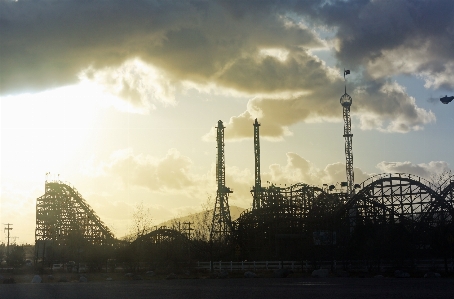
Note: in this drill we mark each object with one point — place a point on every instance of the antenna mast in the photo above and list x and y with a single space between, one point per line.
222 223
346 102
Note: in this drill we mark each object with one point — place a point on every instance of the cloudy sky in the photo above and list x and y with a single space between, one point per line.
120 98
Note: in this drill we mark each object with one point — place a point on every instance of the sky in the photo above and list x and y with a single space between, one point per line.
121 98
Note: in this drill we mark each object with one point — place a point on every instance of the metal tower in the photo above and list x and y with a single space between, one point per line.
222 223
258 182
346 102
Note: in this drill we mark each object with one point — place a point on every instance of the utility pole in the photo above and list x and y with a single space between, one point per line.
8 228
187 229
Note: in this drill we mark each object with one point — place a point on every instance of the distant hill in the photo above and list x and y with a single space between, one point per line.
203 216
200 222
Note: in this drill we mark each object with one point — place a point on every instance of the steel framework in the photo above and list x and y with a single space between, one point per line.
162 235
62 213
160 245
285 220
221 225
257 191
399 206
346 102
403 199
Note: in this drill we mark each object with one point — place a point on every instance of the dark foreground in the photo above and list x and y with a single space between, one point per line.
240 288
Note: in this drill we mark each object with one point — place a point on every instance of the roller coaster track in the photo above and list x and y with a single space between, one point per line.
62 213
403 196
423 208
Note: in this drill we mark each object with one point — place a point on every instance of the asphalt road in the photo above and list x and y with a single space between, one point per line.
239 288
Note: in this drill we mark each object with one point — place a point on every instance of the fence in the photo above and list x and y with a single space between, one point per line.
258 265
306 266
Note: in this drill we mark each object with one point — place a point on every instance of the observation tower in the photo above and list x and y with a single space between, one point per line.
346 102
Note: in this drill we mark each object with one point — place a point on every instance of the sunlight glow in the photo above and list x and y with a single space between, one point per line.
40 132
278 53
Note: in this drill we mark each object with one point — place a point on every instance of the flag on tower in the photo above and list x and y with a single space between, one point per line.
346 72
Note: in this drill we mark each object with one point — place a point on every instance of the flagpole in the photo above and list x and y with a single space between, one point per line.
346 72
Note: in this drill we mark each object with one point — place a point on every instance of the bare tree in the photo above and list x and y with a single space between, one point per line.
134 253
442 179
142 222
202 221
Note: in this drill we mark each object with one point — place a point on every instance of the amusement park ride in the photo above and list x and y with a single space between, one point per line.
286 222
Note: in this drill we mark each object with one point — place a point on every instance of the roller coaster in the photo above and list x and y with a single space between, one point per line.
387 216
294 222
63 218
387 210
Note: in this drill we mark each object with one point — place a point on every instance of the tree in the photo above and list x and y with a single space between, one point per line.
134 252
142 222
2 251
440 179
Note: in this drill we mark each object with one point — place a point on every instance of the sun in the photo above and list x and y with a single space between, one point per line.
42 132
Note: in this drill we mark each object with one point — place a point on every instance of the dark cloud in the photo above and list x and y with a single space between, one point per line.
392 37
230 44
382 105
47 43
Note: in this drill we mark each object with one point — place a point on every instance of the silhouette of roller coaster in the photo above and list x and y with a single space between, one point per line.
387 216
291 222
299 219
63 215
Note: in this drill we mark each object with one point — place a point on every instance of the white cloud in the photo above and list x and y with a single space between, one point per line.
168 174
391 109
428 171
140 85
300 170
383 106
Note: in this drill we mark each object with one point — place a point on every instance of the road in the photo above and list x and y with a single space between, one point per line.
239 288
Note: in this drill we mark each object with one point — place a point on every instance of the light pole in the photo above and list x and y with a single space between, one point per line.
446 99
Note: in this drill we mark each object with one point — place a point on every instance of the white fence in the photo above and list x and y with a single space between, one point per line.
257 265
360 265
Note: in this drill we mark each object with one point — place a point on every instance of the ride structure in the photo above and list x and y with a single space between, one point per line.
346 102
221 225
63 217
393 217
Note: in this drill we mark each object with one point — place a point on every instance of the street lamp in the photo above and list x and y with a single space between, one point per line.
446 99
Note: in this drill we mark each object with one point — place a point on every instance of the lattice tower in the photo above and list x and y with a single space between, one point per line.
258 182
221 225
346 102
